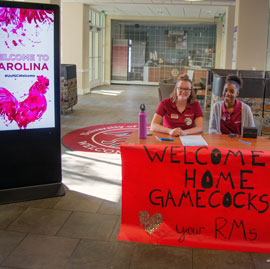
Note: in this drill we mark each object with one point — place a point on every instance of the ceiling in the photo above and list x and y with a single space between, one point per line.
160 8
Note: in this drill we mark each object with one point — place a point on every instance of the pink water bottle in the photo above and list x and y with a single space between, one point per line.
142 122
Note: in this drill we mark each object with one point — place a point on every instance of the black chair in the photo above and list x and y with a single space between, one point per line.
252 93
164 90
266 106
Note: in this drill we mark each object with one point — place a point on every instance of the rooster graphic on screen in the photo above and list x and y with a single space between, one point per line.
27 111
14 22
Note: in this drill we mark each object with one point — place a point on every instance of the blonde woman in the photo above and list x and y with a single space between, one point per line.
180 114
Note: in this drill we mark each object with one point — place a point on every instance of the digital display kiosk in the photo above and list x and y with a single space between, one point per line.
30 155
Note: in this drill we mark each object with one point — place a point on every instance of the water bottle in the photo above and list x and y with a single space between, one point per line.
142 122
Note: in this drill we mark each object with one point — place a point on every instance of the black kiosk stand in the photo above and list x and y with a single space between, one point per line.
30 144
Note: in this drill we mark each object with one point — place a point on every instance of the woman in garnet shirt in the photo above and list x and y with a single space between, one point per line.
230 115
181 114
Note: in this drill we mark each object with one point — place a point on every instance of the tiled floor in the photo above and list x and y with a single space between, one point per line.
79 230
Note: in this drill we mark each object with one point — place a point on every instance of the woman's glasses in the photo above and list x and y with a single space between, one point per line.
183 89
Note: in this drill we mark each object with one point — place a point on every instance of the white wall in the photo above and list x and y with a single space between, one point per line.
75 41
251 19
228 37
56 2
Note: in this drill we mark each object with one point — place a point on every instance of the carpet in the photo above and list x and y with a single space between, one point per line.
99 138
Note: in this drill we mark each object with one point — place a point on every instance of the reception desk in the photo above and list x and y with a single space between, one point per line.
215 196
162 72
213 140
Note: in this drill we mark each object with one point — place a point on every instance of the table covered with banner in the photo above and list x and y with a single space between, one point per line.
214 196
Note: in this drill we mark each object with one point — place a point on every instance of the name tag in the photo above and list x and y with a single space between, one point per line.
174 116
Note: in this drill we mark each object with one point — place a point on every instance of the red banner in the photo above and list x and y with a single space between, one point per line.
196 197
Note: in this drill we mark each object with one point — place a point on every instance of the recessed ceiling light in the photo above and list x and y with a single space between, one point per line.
193 0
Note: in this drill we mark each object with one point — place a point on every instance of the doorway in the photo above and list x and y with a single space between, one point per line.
96 47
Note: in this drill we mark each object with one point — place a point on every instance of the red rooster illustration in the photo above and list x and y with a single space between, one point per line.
29 110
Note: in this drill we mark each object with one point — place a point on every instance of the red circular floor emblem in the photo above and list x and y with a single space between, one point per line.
100 138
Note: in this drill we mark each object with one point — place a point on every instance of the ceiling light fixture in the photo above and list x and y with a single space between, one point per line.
193 0
160 12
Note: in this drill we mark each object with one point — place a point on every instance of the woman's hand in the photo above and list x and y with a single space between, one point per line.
184 132
176 132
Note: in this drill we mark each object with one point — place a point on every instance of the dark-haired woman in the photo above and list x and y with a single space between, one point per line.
181 114
230 115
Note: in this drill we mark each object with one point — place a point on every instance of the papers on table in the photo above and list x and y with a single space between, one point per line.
193 140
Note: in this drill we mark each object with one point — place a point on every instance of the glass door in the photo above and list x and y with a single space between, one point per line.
96 49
